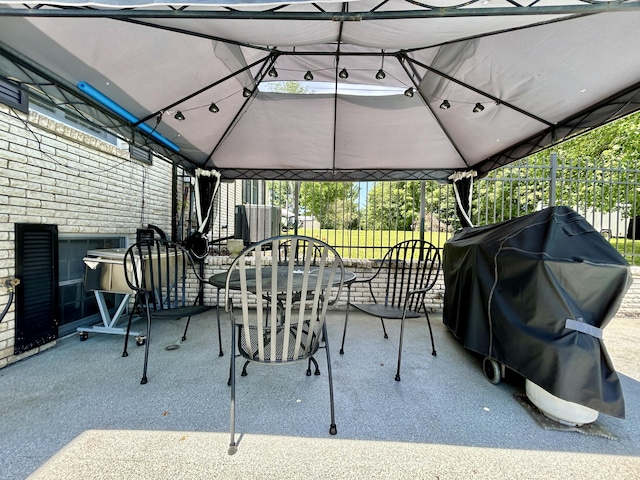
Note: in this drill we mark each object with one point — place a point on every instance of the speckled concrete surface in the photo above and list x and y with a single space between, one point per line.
78 411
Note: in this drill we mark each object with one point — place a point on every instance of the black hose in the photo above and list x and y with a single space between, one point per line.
6 308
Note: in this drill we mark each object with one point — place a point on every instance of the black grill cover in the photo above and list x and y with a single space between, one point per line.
510 289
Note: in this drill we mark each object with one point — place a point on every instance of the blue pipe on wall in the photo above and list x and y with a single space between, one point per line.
113 106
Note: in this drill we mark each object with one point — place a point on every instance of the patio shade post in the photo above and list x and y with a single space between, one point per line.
174 203
296 205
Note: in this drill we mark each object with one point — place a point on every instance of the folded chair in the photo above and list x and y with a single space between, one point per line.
403 278
295 327
159 272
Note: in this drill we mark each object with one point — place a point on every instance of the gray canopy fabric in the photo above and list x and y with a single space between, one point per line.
534 75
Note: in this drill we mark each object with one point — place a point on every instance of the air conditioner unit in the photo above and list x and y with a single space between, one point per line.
256 222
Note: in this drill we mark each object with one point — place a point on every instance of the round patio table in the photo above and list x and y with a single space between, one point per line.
219 280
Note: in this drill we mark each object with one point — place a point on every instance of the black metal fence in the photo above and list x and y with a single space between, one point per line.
363 219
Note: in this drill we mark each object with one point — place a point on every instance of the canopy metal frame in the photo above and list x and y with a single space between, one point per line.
39 80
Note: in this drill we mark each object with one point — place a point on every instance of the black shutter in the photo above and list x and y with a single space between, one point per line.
37 294
14 96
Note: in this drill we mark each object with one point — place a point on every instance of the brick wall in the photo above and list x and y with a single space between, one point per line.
54 174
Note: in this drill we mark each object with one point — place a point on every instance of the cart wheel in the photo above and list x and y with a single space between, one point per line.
491 370
83 336
141 340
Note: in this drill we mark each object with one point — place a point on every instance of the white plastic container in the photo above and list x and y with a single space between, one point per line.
567 413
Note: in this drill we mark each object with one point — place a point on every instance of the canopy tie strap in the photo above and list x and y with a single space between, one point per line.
579 325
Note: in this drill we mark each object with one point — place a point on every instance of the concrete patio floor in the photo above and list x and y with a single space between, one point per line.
78 411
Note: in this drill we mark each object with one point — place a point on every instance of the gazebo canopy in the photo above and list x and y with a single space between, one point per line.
349 91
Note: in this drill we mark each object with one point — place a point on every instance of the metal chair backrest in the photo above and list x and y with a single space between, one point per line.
409 266
292 328
158 272
158 269
298 253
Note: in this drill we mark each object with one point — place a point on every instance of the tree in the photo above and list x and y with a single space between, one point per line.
333 204
394 205
598 169
281 193
440 202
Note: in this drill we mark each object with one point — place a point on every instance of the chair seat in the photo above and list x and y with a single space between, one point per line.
263 274
297 336
407 272
161 273
180 312
382 311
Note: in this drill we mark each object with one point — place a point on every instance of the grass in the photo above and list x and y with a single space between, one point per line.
374 244
629 249
368 243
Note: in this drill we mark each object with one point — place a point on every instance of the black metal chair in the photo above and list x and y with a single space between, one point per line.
202 282
298 331
296 252
407 272
159 273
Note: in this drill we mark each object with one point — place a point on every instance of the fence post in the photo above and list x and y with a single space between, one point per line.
423 207
553 179
296 206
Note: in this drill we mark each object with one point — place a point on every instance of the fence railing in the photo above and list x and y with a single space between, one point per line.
363 219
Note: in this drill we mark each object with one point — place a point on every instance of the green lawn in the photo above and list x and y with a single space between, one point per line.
373 244
370 244
629 249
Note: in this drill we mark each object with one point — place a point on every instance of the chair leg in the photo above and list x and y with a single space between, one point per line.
221 353
126 336
384 330
233 448
400 345
148 341
199 298
244 369
231 368
433 346
332 427
346 319
232 360
317 369
186 327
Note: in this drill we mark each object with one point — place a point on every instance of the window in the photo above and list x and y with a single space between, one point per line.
77 306
72 119
253 192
